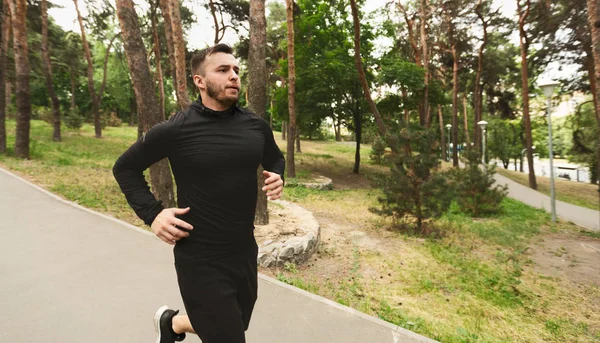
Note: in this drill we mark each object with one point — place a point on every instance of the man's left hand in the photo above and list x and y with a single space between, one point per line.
273 185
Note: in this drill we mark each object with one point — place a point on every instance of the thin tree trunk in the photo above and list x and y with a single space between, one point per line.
164 8
291 166
4 38
424 120
9 88
406 113
358 135
160 173
90 74
298 147
47 68
213 12
104 69
455 107
257 89
18 10
363 79
179 51
442 134
283 129
159 73
524 45
466 122
477 94
594 22
73 80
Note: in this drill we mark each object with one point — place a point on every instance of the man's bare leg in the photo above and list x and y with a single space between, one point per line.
182 324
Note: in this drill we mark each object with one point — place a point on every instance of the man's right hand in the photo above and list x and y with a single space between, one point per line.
168 227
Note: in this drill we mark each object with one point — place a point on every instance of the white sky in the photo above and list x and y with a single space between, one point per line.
201 33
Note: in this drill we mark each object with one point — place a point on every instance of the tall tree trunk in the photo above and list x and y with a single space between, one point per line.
442 134
179 51
9 88
213 12
283 129
257 89
72 72
406 113
363 80
90 74
594 22
477 100
47 67
159 73
455 107
466 122
424 120
524 45
18 10
160 173
298 147
104 69
291 166
164 9
357 134
4 37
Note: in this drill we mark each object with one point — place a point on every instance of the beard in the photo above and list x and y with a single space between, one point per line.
220 94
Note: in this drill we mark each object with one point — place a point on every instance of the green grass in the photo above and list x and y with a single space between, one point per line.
576 193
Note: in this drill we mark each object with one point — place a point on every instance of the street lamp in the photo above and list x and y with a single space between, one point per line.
448 126
548 89
522 152
482 124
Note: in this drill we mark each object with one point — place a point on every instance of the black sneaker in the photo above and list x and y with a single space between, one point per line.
163 324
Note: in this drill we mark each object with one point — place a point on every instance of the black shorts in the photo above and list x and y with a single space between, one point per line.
219 295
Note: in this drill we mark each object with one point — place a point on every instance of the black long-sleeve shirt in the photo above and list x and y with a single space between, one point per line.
214 157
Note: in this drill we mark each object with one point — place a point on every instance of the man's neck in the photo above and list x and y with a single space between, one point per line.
214 104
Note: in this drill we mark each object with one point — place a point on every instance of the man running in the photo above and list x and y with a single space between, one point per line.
214 149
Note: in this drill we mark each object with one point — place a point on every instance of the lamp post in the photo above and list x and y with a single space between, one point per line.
548 89
448 126
522 158
482 124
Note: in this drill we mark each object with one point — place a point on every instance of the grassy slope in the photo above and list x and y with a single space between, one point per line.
475 284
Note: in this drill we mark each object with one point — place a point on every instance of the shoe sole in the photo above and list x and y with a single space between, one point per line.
157 316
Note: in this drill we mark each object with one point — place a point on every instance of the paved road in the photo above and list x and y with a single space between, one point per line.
581 216
72 275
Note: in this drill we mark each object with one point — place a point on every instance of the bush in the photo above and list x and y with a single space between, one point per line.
415 191
475 194
110 120
73 119
378 150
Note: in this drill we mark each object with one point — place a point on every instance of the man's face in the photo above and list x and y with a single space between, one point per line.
220 82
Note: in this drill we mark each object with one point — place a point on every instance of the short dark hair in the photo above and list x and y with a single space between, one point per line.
199 57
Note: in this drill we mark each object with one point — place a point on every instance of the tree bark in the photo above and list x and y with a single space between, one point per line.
47 67
283 129
424 119
358 135
159 73
18 10
4 38
594 22
478 91
291 166
442 134
160 173
363 80
90 74
455 107
257 89
179 52
298 147
524 45
164 9
466 122
213 12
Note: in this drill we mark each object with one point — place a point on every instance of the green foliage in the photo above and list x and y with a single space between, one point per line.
73 119
378 150
504 140
110 120
474 187
585 137
415 190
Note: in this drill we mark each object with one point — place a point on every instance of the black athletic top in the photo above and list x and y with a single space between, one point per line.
214 157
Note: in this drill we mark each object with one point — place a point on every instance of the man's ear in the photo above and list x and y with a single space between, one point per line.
199 81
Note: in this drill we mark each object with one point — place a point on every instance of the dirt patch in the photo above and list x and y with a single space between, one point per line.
573 256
